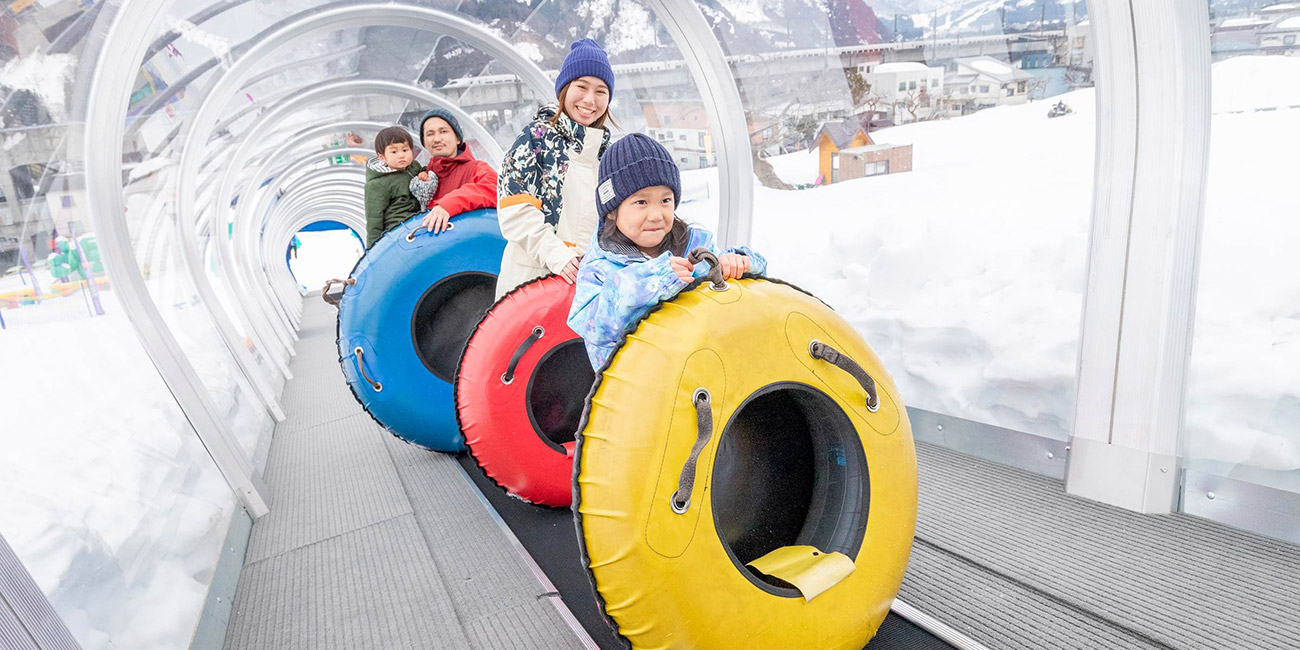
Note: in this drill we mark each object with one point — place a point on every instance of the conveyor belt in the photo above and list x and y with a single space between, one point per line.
549 536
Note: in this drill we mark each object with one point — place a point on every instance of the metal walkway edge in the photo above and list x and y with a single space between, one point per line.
374 543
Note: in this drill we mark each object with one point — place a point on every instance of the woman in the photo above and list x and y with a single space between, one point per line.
546 193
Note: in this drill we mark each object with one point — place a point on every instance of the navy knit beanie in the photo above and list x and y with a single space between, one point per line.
585 59
445 115
632 164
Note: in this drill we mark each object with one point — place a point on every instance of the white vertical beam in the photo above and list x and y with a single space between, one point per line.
1153 74
708 66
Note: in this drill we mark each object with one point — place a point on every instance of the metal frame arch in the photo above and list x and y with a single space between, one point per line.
285 277
306 97
261 203
346 182
707 63
107 100
314 22
250 200
306 210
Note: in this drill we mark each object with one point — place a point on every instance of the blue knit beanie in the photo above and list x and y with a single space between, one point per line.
445 115
632 164
586 58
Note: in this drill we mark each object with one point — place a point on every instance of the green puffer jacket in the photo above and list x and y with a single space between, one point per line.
389 201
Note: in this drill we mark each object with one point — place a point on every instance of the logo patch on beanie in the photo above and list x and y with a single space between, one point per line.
606 190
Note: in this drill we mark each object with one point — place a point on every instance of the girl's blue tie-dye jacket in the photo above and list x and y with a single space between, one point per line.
616 289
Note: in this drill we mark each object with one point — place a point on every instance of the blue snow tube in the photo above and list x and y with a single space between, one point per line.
402 326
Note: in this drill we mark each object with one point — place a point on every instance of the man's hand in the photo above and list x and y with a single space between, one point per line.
436 220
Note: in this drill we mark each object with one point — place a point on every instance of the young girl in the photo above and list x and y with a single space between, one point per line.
547 183
638 257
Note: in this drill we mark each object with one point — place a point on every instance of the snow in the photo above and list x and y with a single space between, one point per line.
746 11
46 75
989 66
530 51
109 499
1248 83
1242 22
798 168
325 255
966 274
633 29
901 66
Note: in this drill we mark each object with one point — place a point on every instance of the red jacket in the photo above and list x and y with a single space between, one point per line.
464 183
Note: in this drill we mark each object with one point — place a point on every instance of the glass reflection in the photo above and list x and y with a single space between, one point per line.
1242 400
944 160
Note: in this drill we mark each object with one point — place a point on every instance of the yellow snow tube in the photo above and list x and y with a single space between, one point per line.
792 525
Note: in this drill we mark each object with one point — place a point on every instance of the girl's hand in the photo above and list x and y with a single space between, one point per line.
682 268
570 271
424 176
733 265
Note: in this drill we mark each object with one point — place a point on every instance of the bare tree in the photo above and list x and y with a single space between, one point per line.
1037 88
871 101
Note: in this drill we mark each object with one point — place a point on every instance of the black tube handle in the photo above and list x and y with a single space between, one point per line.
509 375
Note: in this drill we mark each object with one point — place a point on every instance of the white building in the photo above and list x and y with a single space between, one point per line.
1079 38
984 82
682 127
1281 36
901 84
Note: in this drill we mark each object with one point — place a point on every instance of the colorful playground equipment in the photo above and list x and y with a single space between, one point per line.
405 314
745 476
520 389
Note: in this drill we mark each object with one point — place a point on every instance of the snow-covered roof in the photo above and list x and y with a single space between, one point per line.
1281 7
872 147
1233 23
990 67
899 66
998 71
840 132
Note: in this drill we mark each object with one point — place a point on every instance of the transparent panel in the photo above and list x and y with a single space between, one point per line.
1243 398
108 497
944 159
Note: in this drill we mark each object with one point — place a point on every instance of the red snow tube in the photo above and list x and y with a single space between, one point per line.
520 389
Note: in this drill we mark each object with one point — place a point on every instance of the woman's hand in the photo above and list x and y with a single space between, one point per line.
682 267
437 219
733 265
570 270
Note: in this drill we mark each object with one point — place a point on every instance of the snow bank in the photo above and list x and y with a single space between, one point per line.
966 274
1251 83
109 499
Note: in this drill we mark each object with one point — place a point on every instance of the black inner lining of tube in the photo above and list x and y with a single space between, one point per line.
790 471
557 392
445 317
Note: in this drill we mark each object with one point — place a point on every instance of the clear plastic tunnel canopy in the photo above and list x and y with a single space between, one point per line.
940 173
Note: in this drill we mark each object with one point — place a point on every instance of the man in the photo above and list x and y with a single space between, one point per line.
464 183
